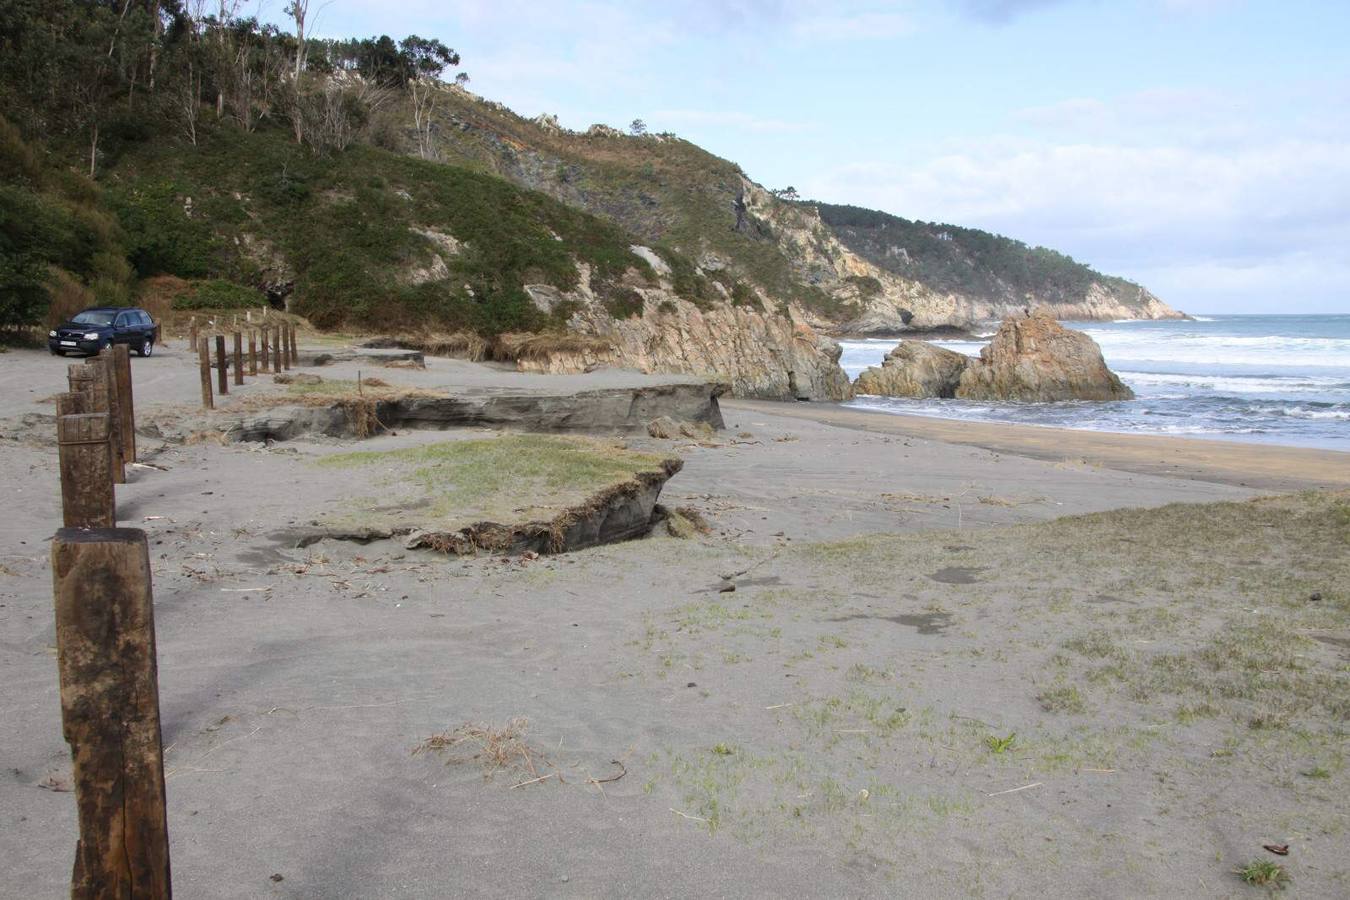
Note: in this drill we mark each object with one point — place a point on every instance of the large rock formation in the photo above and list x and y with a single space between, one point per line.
761 354
1033 358
914 369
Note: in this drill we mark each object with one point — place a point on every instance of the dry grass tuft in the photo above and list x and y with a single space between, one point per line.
539 347
687 522
495 747
207 436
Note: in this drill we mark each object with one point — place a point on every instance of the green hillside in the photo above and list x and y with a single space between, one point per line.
351 182
658 186
339 234
952 259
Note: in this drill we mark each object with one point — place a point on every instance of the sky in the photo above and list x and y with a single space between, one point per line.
1200 147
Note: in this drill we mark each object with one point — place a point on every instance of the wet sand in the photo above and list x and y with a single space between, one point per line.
1262 466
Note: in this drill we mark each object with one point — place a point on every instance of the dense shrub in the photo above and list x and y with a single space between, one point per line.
625 304
218 294
162 237
53 237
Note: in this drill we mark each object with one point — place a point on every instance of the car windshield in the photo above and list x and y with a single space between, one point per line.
94 317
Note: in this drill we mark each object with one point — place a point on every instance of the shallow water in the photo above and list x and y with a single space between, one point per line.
1281 379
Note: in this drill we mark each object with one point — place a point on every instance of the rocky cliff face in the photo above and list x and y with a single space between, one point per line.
761 354
1034 358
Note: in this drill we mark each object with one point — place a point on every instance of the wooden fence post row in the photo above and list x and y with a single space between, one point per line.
105 640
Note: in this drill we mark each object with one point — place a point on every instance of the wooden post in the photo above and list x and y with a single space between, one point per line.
105 376
204 364
72 404
192 334
295 349
252 352
85 454
276 350
286 345
105 646
265 350
238 358
82 381
121 362
222 380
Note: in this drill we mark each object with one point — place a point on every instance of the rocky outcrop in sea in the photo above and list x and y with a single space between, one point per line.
1032 358
914 369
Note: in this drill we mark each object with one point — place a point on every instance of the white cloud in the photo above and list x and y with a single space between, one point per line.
1180 211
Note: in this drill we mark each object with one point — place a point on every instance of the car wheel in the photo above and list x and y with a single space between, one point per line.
147 347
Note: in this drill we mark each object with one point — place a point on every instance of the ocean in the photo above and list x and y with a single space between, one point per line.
1278 379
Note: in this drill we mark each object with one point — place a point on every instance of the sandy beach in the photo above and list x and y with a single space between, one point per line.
908 656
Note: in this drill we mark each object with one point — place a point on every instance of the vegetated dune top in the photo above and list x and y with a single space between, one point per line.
505 479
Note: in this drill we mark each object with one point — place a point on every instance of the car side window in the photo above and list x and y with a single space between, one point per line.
123 320
142 318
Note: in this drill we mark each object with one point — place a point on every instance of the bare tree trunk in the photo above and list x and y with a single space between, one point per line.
93 147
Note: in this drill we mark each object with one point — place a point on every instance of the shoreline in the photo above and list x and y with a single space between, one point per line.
1273 467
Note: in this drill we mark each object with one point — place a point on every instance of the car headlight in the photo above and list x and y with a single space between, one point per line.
51 334
91 336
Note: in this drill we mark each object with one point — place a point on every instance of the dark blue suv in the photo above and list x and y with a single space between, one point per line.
94 329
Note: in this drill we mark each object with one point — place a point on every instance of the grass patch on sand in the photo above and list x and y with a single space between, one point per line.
506 479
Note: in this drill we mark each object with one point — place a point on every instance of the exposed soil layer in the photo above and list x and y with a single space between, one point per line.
618 513
609 410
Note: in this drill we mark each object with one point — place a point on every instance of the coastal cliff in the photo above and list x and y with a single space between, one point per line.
848 270
760 354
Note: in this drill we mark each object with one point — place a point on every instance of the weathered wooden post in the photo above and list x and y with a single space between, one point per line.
265 350
286 331
295 349
204 364
121 363
252 352
108 399
192 333
81 380
105 644
222 380
238 358
276 350
85 454
71 404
